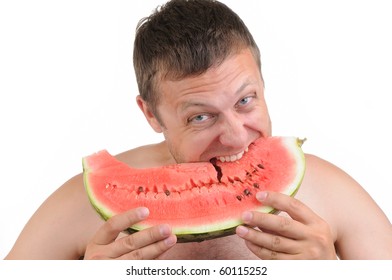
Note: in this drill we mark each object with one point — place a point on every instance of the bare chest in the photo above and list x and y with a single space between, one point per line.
226 248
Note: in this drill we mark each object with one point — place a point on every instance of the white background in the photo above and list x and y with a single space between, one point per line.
67 89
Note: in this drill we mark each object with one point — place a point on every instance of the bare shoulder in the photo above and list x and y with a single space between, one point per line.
354 217
147 156
65 222
325 178
330 190
60 227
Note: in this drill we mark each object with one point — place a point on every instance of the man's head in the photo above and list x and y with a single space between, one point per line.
186 38
199 76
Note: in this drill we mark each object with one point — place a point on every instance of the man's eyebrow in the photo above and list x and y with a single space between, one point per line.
243 86
188 104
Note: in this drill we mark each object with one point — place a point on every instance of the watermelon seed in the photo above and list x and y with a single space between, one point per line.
238 179
247 192
239 197
260 166
109 185
167 192
193 183
255 185
140 189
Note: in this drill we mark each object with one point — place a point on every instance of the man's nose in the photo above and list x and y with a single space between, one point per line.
233 131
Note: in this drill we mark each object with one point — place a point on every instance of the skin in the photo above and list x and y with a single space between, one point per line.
218 113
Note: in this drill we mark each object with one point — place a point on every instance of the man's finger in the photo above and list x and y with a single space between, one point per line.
116 224
292 206
151 251
283 226
144 238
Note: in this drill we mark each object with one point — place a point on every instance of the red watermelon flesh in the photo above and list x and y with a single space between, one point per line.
199 200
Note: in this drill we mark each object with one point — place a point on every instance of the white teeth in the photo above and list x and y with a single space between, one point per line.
232 157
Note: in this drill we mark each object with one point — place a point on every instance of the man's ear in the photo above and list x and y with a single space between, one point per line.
152 120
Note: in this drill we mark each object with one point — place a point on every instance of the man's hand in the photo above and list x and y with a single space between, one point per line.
303 236
142 245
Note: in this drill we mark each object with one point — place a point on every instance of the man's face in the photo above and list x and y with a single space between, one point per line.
217 114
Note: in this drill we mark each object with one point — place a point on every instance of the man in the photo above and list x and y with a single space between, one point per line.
200 83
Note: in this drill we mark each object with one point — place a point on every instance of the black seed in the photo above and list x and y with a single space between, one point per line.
255 185
239 197
260 166
237 179
140 189
167 192
247 192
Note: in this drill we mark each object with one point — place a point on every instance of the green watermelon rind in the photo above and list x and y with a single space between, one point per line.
219 229
99 208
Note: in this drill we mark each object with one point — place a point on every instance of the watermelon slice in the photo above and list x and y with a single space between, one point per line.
200 200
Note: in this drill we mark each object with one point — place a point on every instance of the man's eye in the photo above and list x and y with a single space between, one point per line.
245 101
198 119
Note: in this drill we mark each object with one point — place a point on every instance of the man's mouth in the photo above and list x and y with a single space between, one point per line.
231 158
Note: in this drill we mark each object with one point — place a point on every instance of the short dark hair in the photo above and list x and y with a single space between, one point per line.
183 38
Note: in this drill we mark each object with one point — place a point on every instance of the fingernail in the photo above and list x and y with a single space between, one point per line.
171 240
261 196
242 231
143 213
247 216
164 230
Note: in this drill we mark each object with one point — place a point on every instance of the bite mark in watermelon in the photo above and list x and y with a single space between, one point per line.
200 200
